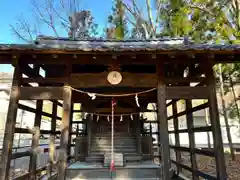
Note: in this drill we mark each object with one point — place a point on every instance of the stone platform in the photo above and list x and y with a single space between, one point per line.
86 171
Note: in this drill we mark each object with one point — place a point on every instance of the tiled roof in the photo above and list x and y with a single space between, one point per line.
103 45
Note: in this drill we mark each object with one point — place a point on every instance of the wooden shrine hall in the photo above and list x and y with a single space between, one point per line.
114 81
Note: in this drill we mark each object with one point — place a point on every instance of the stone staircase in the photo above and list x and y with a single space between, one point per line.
143 171
123 143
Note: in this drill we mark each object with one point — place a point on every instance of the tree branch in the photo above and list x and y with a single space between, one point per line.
150 18
48 21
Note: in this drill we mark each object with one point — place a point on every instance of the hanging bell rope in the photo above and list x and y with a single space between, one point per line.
112 165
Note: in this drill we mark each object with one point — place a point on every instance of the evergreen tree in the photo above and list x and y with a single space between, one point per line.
117 22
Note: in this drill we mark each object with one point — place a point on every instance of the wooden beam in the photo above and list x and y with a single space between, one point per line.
41 93
120 109
86 58
26 175
21 154
44 80
67 96
10 124
199 173
91 80
195 150
26 131
194 109
30 109
196 129
33 73
181 92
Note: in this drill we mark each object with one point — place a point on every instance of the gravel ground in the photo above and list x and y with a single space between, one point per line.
208 165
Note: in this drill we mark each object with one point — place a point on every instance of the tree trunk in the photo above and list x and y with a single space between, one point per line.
235 99
225 112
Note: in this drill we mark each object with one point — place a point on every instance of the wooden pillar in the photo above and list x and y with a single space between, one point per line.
35 140
10 123
162 118
67 94
190 127
89 134
70 132
215 121
177 139
137 123
53 129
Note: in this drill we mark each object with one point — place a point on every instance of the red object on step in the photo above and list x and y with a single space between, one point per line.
112 169
112 166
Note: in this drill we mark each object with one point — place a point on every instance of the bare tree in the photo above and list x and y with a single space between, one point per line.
144 26
56 15
224 109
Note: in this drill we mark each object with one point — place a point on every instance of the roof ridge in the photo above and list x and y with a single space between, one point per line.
164 38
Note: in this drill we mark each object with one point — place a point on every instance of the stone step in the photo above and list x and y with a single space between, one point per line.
114 147
121 173
128 157
115 137
115 134
95 158
117 151
117 144
114 141
132 157
108 141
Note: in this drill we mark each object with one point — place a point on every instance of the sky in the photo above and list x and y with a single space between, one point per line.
11 10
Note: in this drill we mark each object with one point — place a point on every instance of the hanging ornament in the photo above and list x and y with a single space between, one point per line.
108 118
85 115
121 118
92 95
136 99
114 77
97 118
131 116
